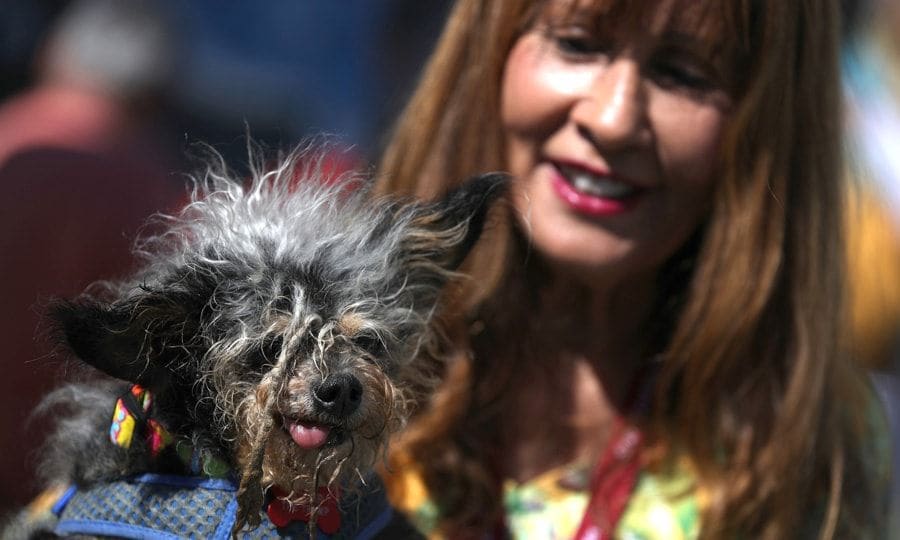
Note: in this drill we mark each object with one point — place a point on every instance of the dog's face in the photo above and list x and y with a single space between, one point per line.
285 322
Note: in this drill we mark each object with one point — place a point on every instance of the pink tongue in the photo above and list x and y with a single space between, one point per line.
308 435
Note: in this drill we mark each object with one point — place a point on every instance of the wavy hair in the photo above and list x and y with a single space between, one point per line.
756 388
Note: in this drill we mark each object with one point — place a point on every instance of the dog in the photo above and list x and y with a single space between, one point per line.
278 332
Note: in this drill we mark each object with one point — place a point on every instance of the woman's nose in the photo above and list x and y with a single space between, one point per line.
613 111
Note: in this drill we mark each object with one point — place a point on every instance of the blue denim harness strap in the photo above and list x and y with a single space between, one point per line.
168 507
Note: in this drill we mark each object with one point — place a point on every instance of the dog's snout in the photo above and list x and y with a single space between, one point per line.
339 394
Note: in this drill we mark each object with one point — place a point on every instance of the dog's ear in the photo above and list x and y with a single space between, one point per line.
454 223
469 204
135 339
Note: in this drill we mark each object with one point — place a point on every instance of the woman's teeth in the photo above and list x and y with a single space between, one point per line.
597 186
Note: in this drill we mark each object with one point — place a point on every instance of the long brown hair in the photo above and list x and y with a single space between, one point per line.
756 387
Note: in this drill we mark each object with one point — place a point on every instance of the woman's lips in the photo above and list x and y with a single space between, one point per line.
592 194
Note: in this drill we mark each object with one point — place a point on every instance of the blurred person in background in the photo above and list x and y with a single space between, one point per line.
82 165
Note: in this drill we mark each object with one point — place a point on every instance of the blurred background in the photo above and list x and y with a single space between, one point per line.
871 70
101 100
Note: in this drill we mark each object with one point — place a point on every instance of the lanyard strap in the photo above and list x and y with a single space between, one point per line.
612 484
617 471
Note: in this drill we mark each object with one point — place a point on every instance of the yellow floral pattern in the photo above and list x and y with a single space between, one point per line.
663 506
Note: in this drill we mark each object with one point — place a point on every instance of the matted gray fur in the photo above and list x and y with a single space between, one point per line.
283 324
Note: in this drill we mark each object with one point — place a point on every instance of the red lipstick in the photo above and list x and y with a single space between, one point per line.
589 204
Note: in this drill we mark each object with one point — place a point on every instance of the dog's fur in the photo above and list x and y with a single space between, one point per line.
262 305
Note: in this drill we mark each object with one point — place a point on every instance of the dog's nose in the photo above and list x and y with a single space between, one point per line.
338 394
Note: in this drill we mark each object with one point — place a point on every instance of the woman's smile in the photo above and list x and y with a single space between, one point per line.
593 192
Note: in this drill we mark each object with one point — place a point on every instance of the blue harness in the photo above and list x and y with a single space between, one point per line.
170 507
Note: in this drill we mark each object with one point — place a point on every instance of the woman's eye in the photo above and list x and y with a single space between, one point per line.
684 71
575 45
577 42
680 76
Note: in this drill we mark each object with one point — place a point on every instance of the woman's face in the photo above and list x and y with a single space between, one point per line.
613 138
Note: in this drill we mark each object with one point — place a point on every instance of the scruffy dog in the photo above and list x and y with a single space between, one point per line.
270 345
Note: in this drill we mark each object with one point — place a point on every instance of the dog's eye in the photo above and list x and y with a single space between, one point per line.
370 342
267 355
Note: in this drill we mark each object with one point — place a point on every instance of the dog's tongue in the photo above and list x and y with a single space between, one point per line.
308 435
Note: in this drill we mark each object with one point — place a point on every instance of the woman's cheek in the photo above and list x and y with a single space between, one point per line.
688 139
538 88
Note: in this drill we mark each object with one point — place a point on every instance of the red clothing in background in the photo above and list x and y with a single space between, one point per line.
77 181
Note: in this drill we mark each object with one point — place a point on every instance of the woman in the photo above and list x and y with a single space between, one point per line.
650 344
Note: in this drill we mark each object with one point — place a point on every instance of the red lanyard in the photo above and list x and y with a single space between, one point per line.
611 484
617 471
